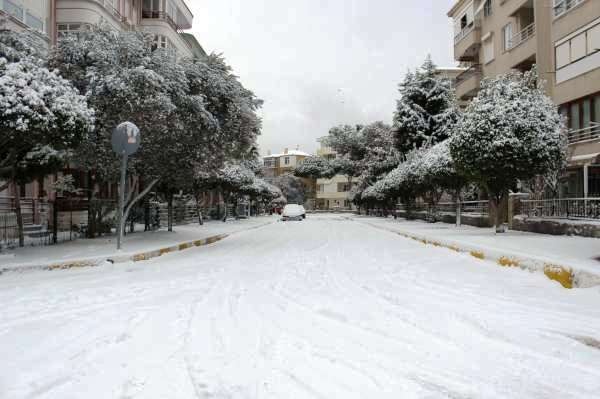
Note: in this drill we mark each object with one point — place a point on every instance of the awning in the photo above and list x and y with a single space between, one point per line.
583 159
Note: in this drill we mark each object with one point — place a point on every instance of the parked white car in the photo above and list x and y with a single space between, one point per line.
293 212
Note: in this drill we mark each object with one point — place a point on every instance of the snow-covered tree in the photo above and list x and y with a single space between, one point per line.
292 188
512 131
426 110
314 168
194 115
43 116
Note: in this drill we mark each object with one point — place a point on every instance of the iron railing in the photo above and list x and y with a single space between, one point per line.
527 33
591 133
564 208
464 32
150 14
563 6
468 207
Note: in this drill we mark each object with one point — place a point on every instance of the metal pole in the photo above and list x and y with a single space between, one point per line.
121 222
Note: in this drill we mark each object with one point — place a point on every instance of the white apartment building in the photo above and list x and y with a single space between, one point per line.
166 19
334 193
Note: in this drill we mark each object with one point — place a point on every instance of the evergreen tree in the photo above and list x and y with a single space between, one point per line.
512 131
426 111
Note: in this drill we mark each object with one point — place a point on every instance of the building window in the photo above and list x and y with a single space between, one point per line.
320 188
507 34
577 47
582 113
151 9
34 22
72 28
487 8
343 187
563 6
488 50
13 9
286 160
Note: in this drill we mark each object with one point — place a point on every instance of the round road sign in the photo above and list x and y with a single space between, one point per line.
126 139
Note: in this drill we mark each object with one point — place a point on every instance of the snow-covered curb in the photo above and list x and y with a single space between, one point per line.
123 257
569 276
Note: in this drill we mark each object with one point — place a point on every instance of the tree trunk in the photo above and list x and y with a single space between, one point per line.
225 197
458 209
497 202
19 215
170 212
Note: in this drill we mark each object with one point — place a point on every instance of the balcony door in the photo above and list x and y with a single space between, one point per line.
151 9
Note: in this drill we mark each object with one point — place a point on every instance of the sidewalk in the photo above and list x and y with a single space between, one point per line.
577 256
93 252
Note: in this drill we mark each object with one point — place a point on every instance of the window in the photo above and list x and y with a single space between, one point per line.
507 34
34 22
574 118
73 28
151 9
13 9
487 8
578 47
286 160
463 22
563 55
596 109
488 50
562 6
343 187
320 188
593 39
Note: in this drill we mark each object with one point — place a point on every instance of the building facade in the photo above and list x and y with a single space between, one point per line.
561 37
165 19
334 193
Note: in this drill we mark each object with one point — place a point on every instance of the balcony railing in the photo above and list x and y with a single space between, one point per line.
111 10
564 6
521 37
564 208
591 133
473 70
464 32
150 14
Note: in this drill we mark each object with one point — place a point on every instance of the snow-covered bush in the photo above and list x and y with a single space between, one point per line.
314 168
43 116
512 131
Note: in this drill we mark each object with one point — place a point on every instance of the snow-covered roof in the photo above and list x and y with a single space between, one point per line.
289 153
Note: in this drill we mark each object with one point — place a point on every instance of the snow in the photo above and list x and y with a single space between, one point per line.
105 247
581 253
326 308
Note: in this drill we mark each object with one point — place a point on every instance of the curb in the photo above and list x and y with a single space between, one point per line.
568 276
132 257
135 257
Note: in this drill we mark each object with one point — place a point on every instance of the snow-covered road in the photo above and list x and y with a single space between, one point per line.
326 308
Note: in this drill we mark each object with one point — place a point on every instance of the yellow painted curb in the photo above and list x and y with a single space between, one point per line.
477 254
505 261
559 273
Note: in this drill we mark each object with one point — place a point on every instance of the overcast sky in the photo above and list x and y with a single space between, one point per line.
319 63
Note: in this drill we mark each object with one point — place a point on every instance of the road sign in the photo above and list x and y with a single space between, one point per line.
126 139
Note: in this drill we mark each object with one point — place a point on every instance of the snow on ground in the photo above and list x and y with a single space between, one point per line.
580 252
325 308
136 242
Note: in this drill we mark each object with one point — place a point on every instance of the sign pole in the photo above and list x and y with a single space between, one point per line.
125 142
121 222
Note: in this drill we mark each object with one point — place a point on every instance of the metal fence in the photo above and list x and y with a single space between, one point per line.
467 207
565 208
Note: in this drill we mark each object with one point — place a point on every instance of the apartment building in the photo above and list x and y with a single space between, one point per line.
561 37
53 19
275 165
166 19
334 193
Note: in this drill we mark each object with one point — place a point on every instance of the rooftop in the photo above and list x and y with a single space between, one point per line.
289 153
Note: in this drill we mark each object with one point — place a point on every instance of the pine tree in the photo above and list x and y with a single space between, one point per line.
426 111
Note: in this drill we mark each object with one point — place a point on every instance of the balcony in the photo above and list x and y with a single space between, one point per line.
521 49
521 37
160 15
467 83
467 42
585 135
